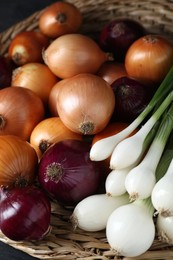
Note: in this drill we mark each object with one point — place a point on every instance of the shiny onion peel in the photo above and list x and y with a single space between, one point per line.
85 103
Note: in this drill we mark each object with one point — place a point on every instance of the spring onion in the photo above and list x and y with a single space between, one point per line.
141 180
164 228
115 182
162 193
130 229
91 213
103 148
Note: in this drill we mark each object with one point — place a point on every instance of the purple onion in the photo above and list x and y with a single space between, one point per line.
131 98
118 35
67 173
24 213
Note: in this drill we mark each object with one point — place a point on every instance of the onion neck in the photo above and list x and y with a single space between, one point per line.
61 18
54 172
43 145
2 122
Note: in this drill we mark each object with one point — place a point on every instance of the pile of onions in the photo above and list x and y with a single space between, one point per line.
18 162
71 54
85 103
48 132
27 47
20 111
36 77
24 213
67 173
60 18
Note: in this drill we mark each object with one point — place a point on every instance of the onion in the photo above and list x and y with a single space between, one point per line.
118 35
111 71
66 172
131 98
91 214
52 100
149 59
6 68
18 162
24 213
72 54
85 103
36 77
20 111
60 18
27 47
48 132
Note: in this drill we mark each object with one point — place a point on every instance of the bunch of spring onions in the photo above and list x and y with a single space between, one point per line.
139 185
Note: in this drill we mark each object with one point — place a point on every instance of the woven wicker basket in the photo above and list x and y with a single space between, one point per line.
63 242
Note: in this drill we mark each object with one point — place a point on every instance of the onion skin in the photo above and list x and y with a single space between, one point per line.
20 111
111 71
66 172
131 98
36 77
85 103
29 208
49 131
149 59
27 47
72 54
18 162
60 18
118 35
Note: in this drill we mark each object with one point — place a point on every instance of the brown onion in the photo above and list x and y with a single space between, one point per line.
85 103
20 111
149 59
48 132
60 18
72 54
27 47
18 162
111 71
36 77
52 100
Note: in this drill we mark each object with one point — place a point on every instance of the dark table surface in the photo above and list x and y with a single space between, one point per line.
11 12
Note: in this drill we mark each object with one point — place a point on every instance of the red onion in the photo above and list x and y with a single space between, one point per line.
131 98
5 72
67 173
118 35
24 213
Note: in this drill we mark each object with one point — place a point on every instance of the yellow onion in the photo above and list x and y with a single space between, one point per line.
72 54
85 103
48 132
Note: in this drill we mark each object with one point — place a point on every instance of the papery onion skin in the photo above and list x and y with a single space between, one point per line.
27 47
72 54
66 172
60 18
85 103
52 100
24 213
36 77
20 111
18 162
49 131
149 59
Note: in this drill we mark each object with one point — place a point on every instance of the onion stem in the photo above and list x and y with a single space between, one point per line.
103 148
141 180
